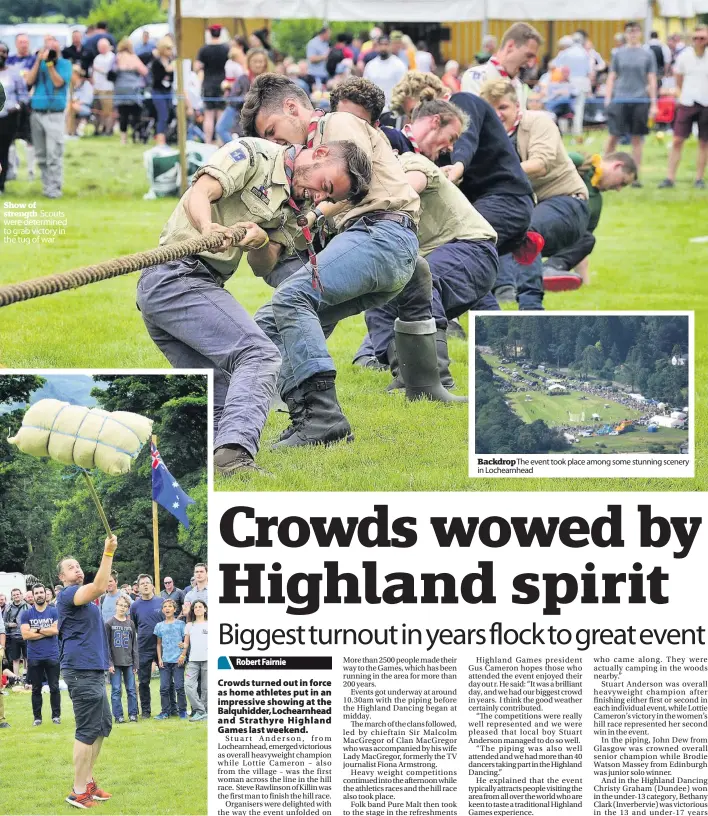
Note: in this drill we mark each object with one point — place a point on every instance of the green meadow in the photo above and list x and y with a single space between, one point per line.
148 767
644 260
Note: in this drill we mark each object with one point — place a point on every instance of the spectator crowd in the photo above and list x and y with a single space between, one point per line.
146 633
97 85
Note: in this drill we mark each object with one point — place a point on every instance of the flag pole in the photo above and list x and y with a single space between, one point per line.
155 535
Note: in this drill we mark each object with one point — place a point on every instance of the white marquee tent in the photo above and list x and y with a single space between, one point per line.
416 11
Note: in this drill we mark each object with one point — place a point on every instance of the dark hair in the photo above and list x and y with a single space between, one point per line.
342 37
102 25
15 589
190 615
654 34
268 93
362 92
5 46
358 167
35 586
242 41
201 564
630 24
62 560
262 34
628 164
169 601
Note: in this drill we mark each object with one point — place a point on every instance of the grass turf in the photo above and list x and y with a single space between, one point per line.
557 410
636 441
643 261
140 763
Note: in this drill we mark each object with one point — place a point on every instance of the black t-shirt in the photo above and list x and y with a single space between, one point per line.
213 58
161 78
74 54
491 163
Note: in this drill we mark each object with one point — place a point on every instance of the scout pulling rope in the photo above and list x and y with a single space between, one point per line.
49 285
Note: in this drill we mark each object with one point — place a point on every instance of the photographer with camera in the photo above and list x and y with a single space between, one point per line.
50 76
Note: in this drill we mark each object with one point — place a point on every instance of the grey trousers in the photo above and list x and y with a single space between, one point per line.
196 323
48 141
197 669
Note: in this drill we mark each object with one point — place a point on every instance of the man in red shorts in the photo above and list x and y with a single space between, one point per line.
691 72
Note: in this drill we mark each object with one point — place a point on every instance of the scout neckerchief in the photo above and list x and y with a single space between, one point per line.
408 133
312 127
311 133
596 162
502 70
289 159
512 130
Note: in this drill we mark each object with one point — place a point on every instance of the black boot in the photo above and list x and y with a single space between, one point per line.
231 459
396 383
295 401
446 378
369 362
418 360
321 421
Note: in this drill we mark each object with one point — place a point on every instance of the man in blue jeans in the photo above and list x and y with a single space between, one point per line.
83 656
146 613
368 262
197 323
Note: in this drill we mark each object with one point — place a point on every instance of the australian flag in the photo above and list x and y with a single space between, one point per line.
166 490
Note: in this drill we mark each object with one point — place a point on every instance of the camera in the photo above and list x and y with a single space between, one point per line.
52 55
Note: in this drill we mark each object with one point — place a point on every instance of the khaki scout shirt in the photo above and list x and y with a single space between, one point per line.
389 189
538 137
446 214
252 176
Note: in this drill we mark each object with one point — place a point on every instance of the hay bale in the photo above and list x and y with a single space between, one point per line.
86 437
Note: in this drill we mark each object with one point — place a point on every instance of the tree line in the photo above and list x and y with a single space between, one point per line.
498 429
633 351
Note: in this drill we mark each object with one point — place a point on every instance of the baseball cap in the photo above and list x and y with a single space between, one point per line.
396 36
215 30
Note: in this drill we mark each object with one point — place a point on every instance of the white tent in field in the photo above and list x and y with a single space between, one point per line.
422 11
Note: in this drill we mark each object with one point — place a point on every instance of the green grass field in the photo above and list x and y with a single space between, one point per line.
556 410
636 441
149 767
643 261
